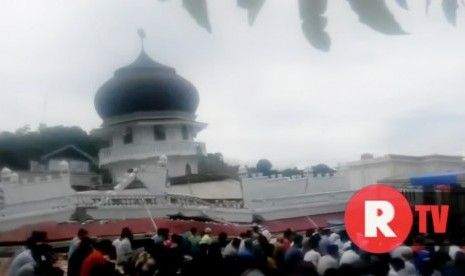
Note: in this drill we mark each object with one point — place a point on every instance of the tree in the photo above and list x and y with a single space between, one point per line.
17 149
291 172
264 166
373 13
322 169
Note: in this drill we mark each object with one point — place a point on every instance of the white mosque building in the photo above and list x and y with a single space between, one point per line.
149 122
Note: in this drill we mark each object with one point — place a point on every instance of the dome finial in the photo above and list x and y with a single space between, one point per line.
141 33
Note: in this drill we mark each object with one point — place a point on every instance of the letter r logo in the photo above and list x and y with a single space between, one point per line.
378 218
378 214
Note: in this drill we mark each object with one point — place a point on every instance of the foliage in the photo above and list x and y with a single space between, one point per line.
264 166
213 164
322 169
17 149
373 13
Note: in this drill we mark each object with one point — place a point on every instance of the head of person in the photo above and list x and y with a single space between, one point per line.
255 229
314 242
222 237
298 239
354 247
105 247
82 233
459 259
380 267
193 231
397 264
333 250
86 243
248 244
177 239
344 236
236 242
163 232
287 233
36 237
39 236
407 254
207 231
43 255
126 233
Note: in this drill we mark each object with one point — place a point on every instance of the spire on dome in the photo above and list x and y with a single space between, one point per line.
141 33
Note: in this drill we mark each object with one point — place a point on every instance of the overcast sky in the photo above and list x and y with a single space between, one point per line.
264 91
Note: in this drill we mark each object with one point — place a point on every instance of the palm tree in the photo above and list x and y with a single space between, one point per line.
373 13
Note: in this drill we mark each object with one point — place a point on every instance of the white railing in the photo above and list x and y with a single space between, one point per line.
124 152
31 207
310 199
111 200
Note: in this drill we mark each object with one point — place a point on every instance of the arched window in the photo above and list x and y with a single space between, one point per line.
127 138
159 133
184 133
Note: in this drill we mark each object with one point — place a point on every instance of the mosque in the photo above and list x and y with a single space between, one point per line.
150 126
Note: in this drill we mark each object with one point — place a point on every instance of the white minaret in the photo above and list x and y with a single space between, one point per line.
148 111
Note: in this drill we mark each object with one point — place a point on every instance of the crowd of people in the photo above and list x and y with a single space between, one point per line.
254 253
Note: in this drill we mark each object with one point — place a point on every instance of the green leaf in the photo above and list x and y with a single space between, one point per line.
199 11
252 6
314 23
449 8
376 15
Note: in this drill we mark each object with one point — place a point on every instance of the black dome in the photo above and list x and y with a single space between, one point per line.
145 85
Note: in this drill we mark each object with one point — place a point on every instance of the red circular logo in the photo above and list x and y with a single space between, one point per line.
378 218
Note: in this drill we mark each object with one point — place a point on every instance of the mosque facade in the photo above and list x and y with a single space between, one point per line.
150 126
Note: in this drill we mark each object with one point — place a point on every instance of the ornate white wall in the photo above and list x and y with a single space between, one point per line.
369 171
264 188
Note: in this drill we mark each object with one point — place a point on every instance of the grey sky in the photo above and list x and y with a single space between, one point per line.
265 92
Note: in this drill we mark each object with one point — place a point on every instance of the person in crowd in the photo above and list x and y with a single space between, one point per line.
74 243
329 260
206 238
144 264
43 265
255 231
232 248
222 240
25 255
188 240
312 255
76 260
98 262
287 239
123 246
350 256
161 236
324 241
294 255
171 260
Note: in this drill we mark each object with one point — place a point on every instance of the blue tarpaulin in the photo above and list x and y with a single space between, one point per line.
445 178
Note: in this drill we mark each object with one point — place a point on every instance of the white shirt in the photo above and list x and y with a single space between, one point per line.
313 257
326 262
21 259
398 251
453 249
123 250
349 257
